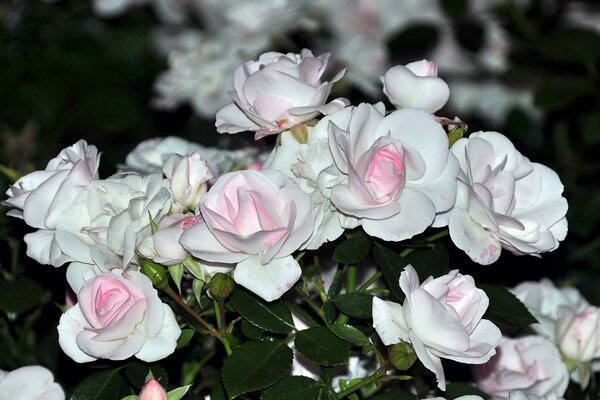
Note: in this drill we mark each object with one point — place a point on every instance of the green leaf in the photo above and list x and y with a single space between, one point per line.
350 334
396 394
131 397
336 284
273 317
293 388
177 394
327 393
105 385
357 304
176 272
318 344
505 308
136 373
391 265
255 365
432 260
352 250
19 295
251 331
185 337
197 286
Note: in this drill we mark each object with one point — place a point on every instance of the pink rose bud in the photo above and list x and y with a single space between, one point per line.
153 390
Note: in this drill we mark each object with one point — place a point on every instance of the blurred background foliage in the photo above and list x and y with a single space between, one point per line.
67 74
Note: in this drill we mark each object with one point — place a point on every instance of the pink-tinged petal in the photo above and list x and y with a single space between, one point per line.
364 129
433 324
123 326
484 340
346 201
477 242
269 281
388 321
339 145
71 323
429 361
406 87
164 343
199 241
155 312
231 119
417 213
79 273
420 131
113 350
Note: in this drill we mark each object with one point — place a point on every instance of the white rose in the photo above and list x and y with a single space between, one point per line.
277 92
416 85
41 197
441 318
398 172
188 179
29 383
504 201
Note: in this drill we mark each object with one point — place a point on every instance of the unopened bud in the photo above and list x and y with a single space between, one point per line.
153 390
221 286
402 355
300 133
156 272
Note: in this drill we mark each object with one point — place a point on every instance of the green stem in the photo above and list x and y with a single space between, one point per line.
429 239
367 381
311 304
368 283
350 288
218 315
211 329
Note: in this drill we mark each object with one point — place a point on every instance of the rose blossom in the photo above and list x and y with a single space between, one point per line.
277 92
110 218
308 160
504 201
543 300
117 317
530 364
441 318
152 390
163 246
398 171
188 179
415 85
41 197
255 219
578 334
33 382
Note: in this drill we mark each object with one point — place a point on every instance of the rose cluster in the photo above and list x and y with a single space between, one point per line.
193 212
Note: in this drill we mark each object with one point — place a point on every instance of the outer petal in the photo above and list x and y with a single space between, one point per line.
417 212
270 280
199 241
71 323
162 345
429 361
231 119
472 238
388 321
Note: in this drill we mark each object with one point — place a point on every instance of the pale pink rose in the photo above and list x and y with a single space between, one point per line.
188 179
163 246
543 300
277 92
504 201
578 334
29 383
41 197
398 171
416 85
441 318
530 364
153 390
117 317
256 219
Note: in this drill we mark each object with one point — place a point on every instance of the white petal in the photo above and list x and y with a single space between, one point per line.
71 323
469 236
270 280
388 321
159 347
